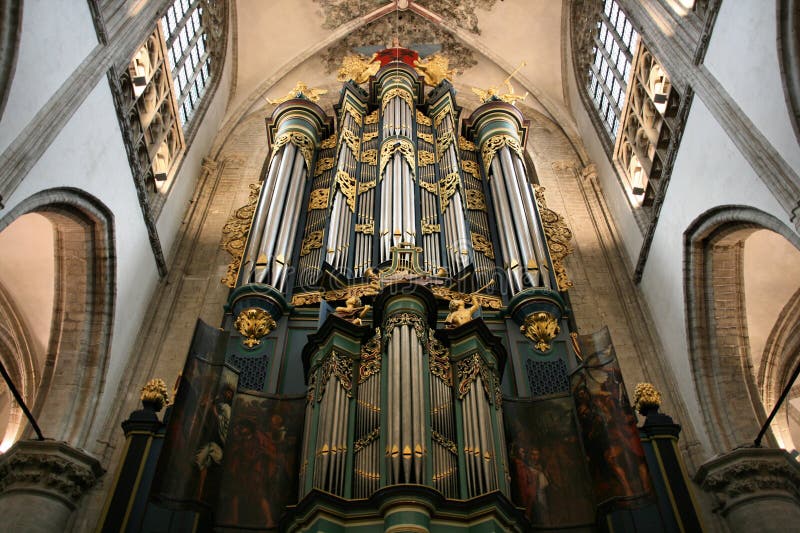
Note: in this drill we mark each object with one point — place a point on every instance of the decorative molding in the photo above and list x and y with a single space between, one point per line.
558 239
370 357
341 367
439 360
235 233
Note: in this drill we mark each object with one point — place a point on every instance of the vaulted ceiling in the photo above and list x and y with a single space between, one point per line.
278 43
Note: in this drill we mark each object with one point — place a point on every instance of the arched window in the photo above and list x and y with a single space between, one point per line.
189 55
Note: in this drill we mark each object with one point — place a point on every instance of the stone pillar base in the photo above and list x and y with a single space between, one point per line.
41 483
755 489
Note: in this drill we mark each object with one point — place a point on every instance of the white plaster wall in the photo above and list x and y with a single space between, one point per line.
709 171
743 56
88 154
56 37
171 217
615 196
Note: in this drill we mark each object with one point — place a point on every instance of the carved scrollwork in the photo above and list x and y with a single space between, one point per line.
464 144
422 119
235 232
311 242
427 137
439 360
372 118
355 113
306 298
368 136
432 188
303 142
403 146
444 140
330 142
370 157
401 319
485 301
491 147
475 200
426 158
370 357
397 92
366 229
558 239
254 323
447 188
323 164
341 367
469 369
444 442
428 229
348 185
318 199
471 167
352 141
364 441
541 327
482 244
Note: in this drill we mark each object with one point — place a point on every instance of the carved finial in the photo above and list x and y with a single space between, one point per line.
155 392
645 396
459 313
301 90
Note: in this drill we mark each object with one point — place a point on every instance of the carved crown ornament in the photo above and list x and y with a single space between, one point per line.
254 323
541 327
155 392
645 396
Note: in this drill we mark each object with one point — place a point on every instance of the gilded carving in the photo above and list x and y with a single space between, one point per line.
434 69
365 186
355 113
306 298
372 118
495 93
491 147
366 229
353 310
432 188
318 199
444 140
427 137
358 68
645 396
482 244
363 442
348 185
460 314
330 142
447 188
464 144
426 158
312 242
370 157
471 167
475 200
437 120
155 392
370 357
485 301
422 119
403 146
401 319
301 140
558 239
541 327
339 366
235 232
301 90
428 229
439 360
397 92
352 141
368 136
445 443
254 323
323 164
469 369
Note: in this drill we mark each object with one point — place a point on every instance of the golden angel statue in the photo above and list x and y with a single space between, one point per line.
358 68
494 93
434 69
301 90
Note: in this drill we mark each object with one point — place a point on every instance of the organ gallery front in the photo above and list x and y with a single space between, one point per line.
398 351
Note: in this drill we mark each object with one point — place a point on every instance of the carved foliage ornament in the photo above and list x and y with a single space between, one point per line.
372 118
447 188
541 327
318 199
254 323
645 395
299 139
312 242
471 167
339 366
444 140
482 244
426 158
330 142
491 147
558 239
485 301
439 360
370 157
370 357
401 319
422 119
432 188
323 164
403 146
352 141
68 478
475 200
348 185
464 144
397 92
368 136
235 232
155 392
427 137
469 369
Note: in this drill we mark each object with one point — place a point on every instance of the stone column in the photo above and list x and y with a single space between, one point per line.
41 483
755 489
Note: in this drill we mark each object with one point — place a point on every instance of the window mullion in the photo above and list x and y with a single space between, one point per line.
607 92
179 25
611 64
190 81
187 52
613 31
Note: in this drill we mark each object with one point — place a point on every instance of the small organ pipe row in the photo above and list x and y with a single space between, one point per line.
458 240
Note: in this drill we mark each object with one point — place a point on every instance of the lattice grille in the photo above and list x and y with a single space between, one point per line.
252 371
547 377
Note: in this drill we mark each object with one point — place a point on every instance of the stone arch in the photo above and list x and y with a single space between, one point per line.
83 307
788 21
716 321
10 28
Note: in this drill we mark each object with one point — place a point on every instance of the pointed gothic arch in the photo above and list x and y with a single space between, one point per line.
719 352
80 332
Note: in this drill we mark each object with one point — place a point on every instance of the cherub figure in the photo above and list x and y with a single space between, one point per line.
434 69
353 311
459 313
300 90
358 68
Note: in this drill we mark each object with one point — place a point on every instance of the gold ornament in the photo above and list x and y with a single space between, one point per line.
350 108
558 237
485 301
312 242
494 93
428 229
254 323
427 137
397 92
330 142
353 311
491 147
444 140
370 157
432 188
541 327
323 164
426 158
482 244
434 69
341 367
447 188
464 144
460 314
403 146
372 118
306 298
318 199
155 391
358 68
366 229
368 136
235 232
301 140
352 141
475 200
301 90
645 395
347 184
365 186
422 119
370 357
472 168
439 360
